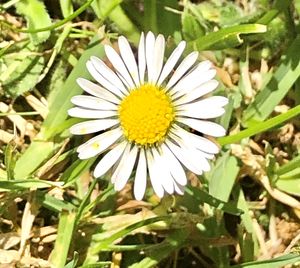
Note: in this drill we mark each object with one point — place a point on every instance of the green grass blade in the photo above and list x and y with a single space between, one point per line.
150 17
61 103
52 203
294 163
73 172
227 37
34 156
65 230
124 24
66 7
40 150
273 263
260 127
167 21
27 184
214 202
127 230
279 85
222 177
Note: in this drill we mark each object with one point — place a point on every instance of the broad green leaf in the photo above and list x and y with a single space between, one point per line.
23 71
272 263
37 17
227 37
65 230
222 176
279 85
226 13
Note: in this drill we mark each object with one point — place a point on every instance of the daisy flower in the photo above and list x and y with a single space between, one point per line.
152 117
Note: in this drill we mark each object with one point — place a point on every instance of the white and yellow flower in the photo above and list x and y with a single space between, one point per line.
144 112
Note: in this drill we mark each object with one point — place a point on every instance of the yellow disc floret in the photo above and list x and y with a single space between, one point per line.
146 115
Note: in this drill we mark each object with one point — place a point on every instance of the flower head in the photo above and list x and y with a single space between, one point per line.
145 112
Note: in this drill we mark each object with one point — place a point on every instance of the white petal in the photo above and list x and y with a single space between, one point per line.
121 162
150 44
85 113
142 58
208 156
165 177
205 127
93 103
176 168
140 180
179 189
98 144
171 62
191 81
183 158
92 126
128 58
109 159
124 81
97 91
102 80
198 92
154 175
118 64
214 101
195 156
159 50
183 67
110 75
202 112
199 142
124 169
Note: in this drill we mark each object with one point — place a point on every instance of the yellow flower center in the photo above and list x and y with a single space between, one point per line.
146 114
